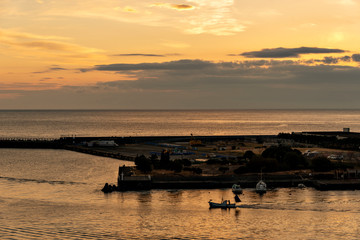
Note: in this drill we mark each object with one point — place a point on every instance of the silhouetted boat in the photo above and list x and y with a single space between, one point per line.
236 189
301 185
261 187
224 204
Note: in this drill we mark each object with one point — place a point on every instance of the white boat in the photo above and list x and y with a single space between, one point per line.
236 189
261 187
301 185
224 204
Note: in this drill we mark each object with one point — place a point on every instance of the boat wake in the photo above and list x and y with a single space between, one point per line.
292 208
21 180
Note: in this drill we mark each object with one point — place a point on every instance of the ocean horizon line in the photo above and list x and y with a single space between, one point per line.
195 109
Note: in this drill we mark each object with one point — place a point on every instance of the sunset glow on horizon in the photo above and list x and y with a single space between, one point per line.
195 54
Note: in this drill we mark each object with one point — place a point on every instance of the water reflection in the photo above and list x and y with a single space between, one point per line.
174 195
237 213
144 197
62 211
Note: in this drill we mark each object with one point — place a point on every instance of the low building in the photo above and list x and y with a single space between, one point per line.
102 143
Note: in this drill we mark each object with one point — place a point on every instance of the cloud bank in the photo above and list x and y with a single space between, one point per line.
196 84
144 55
288 52
184 64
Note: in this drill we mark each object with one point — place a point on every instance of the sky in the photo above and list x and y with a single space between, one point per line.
189 54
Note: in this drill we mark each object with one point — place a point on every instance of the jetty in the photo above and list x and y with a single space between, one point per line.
79 140
128 148
344 184
136 183
127 181
82 144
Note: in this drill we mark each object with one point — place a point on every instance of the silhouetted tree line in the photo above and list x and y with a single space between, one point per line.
146 165
349 143
272 159
284 158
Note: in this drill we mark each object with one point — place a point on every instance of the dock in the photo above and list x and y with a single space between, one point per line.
344 184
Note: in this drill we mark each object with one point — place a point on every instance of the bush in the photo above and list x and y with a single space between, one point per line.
177 165
286 157
241 169
186 162
294 160
223 169
194 170
249 154
156 163
258 163
321 164
213 161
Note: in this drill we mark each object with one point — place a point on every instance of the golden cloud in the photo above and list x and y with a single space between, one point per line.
32 41
129 9
182 6
179 7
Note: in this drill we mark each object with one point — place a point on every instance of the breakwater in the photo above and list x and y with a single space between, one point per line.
75 140
98 152
44 143
79 144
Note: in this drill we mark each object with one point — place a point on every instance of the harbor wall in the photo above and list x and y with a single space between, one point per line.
63 141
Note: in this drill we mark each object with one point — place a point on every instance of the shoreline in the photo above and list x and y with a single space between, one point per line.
321 185
226 181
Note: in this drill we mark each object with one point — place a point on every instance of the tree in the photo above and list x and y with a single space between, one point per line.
257 163
276 152
294 160
223 169
186 162
287 157
165 159
177 165
321 164
249 154
155 161
143 164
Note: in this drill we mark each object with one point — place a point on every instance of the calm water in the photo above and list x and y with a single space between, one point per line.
55 194
53 124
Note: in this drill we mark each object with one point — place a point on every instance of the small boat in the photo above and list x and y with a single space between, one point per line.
261 187
236 189
225 204
301 185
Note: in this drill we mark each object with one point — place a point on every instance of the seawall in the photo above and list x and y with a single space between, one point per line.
10 142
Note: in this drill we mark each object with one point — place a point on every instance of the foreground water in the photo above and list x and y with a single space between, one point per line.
55 194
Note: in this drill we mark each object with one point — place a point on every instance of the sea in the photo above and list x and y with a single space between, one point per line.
56 194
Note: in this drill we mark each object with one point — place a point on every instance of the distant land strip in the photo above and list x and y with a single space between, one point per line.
73 140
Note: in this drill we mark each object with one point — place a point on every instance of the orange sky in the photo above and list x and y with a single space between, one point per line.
179 54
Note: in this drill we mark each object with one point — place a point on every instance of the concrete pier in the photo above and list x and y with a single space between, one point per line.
347 184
